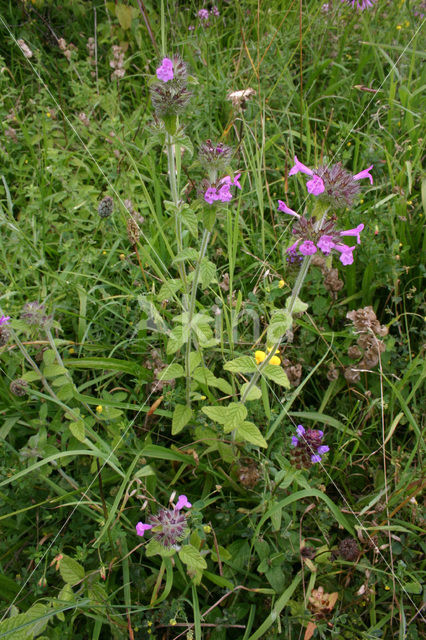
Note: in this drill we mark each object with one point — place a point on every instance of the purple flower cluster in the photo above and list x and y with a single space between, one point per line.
325 238
204 14
169 524
4 320
308 447
222 192
360 4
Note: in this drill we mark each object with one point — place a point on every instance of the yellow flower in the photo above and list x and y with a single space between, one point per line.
270 349
260 356
71 350
172 622
387 588
99 408
281 284
275 360
104 253
122 256
207 529
48 114
398 26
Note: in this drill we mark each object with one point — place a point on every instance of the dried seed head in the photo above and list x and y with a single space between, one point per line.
105 207
351 375
248 473
293 371
332 281
365 320
348 549
332 373
18 387
239 98
354 353
340 187
133 231
4 335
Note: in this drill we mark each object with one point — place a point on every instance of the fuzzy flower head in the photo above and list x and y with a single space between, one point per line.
214 157
307 447
170 96
169 526
33 314
335 186
360 5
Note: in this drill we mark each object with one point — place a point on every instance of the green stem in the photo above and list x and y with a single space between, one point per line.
171 161
191 311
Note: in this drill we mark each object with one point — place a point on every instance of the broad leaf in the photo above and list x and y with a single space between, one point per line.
230 416
243 364
254 394
248 431
71 571
181 416
276 374
172 372
192 557
207 272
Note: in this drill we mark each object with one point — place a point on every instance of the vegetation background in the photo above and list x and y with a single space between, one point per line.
78 462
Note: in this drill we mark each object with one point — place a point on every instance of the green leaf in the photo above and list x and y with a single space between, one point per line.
192 557
49 357
207 272
124 14
169 289
181 416
78 430
177 338
276 374
109 364
254 394
248 431
25 626
186 254
298 307
202 375
171 372
154 548
243 364
71 571
194 360
190 221
281 321
230 416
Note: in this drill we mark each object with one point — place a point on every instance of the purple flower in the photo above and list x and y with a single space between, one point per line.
285 209
224 193
141 528
326 244
182 502
215 11
4 320
365 174
353 232
315 186
211 195
203 14
346 253
307 447
165 70
307 248
227 180
298 166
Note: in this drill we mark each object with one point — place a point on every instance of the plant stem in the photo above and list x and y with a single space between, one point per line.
204 243
171 161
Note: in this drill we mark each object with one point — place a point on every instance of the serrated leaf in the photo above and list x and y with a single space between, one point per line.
254 393
192 558
53 370
298 306
49 357
276 374
207 272
172 372
169 289
243 364
190 221
202 375
155 548
71 571
186 254
281 321
66 392
78 430
230 416
177 338
181 416
194 360
248 431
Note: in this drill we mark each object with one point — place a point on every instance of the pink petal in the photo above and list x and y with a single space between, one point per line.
307 248
182 502
315 186
298 166
285 209
365 174
353 232
141 528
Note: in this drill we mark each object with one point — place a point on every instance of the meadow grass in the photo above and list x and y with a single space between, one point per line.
134 376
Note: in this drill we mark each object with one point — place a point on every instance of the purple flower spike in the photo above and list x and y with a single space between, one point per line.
285 209
307 448
300 430
323 449
4 320
182 502
165 70
141 528
307 248
294 441
354 232
298 166
315 186
365 174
